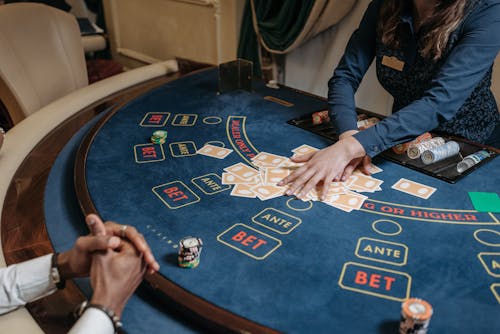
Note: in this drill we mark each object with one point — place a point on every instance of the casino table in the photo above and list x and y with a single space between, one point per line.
277 265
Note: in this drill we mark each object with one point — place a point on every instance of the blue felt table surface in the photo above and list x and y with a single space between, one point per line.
65 223
301 286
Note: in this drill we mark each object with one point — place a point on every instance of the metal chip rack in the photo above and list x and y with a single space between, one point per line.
445 170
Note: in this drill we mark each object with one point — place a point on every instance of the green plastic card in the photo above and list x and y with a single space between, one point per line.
485 202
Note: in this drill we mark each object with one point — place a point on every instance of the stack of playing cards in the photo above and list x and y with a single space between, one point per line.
250 182
345 195
260 181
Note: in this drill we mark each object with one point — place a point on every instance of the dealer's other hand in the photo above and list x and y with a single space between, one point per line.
364 163
325 166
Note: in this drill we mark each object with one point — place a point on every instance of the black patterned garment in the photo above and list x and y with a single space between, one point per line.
451 95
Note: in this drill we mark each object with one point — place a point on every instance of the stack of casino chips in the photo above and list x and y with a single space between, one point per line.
320 117
189 252
416 149
439 153
471 160
159 137
415 316
402 148
365 123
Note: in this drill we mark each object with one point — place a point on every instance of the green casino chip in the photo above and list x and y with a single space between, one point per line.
160 134
157 140
188 264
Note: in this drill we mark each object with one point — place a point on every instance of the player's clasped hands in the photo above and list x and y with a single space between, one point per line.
115 256
114 276
334 163
116 273
127 233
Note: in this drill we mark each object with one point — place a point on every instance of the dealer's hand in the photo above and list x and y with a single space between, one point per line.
364 163
126 232
323 166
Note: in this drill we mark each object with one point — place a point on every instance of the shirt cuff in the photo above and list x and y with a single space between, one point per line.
33 278
93 321
371 141
344 119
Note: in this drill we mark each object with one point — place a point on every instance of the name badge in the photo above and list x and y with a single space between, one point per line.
393 63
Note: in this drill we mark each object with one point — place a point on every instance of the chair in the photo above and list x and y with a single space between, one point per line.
41 57
91 42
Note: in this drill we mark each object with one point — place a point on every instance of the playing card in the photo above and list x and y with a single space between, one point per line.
414 188
336 188
228 178
304 149
265 192
361 182
275 175
290 164
374 169
243 171
214 151
242 190
341 207
349 200
265 159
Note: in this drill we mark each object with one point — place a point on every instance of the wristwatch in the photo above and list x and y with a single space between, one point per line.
55 275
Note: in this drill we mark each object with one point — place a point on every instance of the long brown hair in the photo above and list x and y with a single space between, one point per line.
436 30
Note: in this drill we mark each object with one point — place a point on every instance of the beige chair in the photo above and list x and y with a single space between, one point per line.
91 43
41 57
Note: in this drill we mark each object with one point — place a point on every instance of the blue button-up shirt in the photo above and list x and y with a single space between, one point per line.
451 95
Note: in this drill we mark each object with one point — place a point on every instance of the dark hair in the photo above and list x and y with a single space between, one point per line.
436 30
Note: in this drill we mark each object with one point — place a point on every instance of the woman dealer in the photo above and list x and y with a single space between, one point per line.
435 58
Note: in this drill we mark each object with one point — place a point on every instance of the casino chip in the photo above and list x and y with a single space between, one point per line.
415 316
159 137
189 252
439 153
415 150
402 148
366 123
320 117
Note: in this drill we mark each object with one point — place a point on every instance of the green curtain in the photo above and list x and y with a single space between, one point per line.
279 22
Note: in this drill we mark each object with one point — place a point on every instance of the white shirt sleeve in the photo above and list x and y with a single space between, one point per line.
28 281
25 282
93 321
